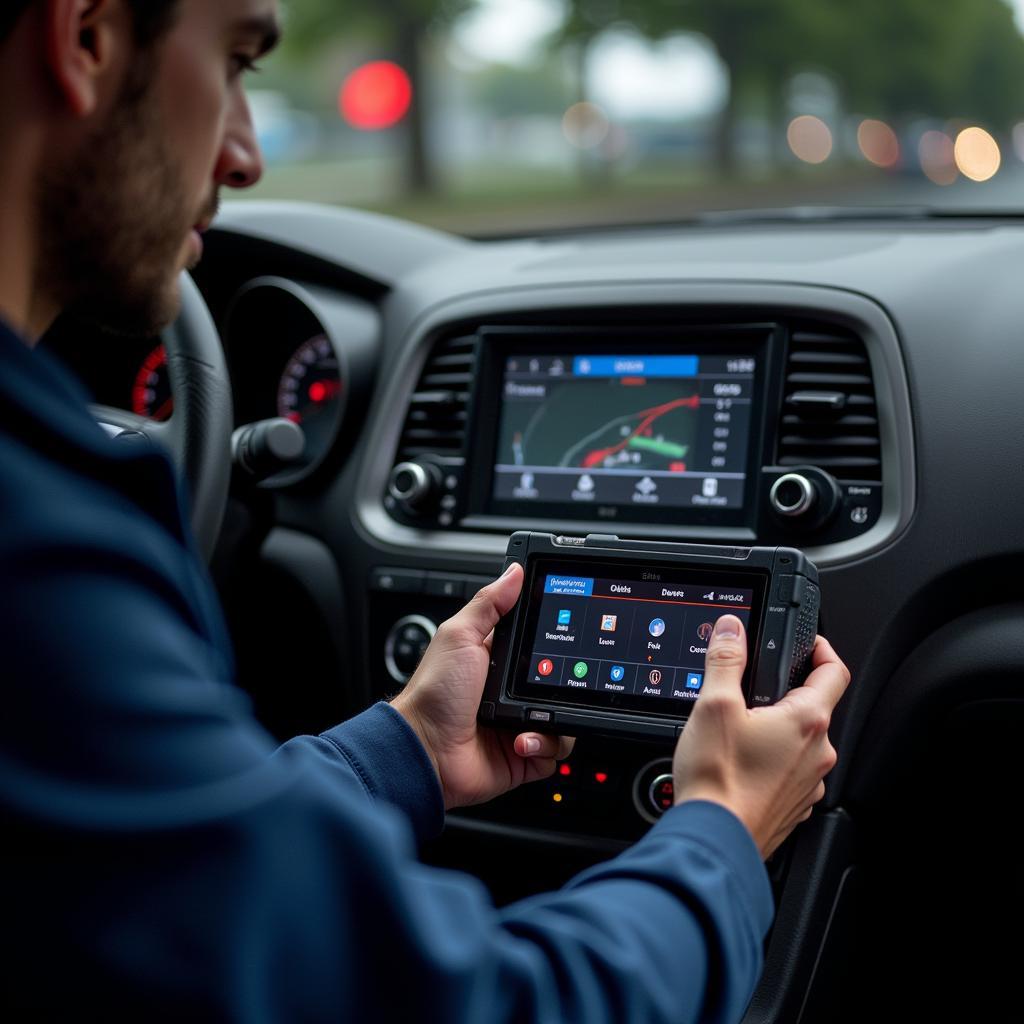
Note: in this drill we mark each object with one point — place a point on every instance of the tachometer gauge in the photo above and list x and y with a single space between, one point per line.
310 390
151 393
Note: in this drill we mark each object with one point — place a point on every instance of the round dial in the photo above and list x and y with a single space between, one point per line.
310 391
151 392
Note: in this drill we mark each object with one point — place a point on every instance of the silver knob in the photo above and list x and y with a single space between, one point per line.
405 644
411 483
793 495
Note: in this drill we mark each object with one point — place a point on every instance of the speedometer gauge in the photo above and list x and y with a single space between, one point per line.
151 392
310 389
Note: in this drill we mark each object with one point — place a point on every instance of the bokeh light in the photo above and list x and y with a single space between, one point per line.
935 151
585 125
878 143
810 139
375 96
977 154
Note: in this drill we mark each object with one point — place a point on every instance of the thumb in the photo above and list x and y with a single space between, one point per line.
490 603
726 659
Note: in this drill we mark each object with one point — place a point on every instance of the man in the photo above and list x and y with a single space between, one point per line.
161 858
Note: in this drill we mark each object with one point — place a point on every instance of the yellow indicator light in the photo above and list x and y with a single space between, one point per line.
557 797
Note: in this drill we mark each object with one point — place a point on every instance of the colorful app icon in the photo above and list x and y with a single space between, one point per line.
580 669
608 623
694 680
656 627
564 617
617 673
545 666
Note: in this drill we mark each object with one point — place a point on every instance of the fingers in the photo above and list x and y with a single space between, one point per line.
481 615
830 676
726 659
537 745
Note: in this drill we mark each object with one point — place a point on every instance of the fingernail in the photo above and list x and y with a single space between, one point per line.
727 628
531 745
507 571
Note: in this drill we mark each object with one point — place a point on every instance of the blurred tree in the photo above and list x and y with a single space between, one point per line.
400 29
760 44
898 59
510 91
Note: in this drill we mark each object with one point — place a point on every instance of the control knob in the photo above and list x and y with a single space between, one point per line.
414 484
406 644
807 497
793 495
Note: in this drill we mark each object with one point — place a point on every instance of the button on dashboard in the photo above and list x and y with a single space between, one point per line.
399 581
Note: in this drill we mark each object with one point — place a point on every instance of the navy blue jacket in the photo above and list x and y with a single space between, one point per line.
161 858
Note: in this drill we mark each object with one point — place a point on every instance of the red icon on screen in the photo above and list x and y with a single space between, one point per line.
545 666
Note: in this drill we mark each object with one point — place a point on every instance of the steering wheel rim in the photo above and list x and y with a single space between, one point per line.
198 434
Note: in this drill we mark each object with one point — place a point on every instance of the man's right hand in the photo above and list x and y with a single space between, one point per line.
764 764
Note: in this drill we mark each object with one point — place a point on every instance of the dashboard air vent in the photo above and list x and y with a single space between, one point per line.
829 418
436 421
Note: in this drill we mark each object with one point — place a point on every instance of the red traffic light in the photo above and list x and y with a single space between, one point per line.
375 96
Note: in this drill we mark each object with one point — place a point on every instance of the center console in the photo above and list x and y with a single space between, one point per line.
743 427
731 431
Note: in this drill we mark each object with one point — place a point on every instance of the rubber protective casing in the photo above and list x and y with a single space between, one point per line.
783 636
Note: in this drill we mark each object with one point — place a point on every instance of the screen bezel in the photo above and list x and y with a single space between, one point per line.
538 567
500 343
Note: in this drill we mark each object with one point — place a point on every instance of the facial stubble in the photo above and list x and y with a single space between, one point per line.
114 219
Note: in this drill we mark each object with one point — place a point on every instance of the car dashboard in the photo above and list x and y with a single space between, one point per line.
854 391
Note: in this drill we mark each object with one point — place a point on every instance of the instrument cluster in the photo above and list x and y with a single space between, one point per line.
297 353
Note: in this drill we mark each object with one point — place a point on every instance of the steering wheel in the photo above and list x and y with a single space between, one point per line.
198 434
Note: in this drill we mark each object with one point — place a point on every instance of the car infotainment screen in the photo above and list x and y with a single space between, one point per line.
640 431
609 635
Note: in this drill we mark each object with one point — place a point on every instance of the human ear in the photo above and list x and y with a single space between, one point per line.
86 43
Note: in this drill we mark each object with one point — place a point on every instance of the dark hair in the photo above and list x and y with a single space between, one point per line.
152 17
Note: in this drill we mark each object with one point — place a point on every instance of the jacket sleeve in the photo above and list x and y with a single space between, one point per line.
163 860
380 752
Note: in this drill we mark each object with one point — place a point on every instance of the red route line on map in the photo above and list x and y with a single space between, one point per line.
650 415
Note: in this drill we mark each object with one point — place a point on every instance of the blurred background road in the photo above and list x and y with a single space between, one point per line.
509 116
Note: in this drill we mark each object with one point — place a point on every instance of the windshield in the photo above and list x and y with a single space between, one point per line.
509 116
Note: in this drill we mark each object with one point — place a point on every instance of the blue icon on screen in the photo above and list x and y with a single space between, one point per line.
564 616
694 680
657 627
616 673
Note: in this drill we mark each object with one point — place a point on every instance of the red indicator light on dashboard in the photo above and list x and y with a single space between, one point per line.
564 769
601 777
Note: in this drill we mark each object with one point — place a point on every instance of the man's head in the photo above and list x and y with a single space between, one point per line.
137 117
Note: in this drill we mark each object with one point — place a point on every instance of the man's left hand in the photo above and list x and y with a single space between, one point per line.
440 702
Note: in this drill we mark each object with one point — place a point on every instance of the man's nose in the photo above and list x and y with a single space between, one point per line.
241 162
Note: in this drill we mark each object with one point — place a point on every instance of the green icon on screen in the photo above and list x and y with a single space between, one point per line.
579 670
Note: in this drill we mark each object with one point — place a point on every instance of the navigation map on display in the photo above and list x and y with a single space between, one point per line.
617 429
613 424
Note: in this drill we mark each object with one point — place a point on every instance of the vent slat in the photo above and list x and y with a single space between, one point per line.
447 380
870 468
828 417
436 420
829 380
801 359
821 338
830 425
849 441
